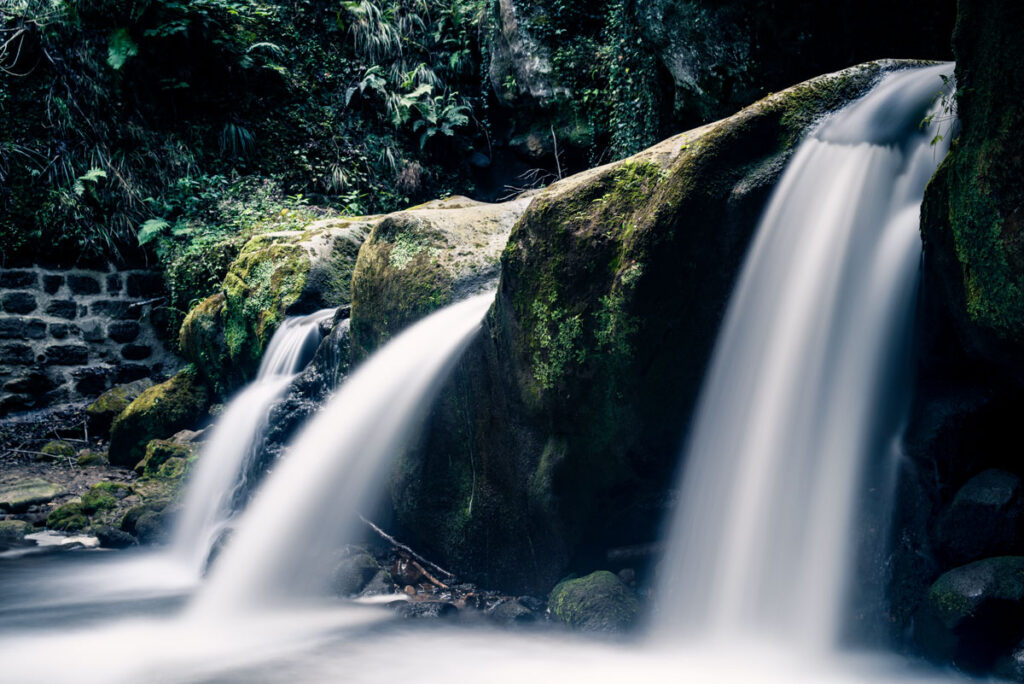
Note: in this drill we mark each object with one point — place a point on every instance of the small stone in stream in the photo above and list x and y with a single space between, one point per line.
381 584
424 609
410 590
12 533
113 538
354 572
90 457
511 611
599 602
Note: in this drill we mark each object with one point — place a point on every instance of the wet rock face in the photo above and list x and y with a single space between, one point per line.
274 275
974 615
69 335
563 420
984 519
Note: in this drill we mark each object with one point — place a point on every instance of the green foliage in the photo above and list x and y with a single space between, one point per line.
121 48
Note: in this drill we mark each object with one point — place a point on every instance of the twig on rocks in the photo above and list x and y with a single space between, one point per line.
415 556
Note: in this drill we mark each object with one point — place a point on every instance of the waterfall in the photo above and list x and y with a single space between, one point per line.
220 470
335 466
806 385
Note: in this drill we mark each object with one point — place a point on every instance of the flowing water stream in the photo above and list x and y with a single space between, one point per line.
801 411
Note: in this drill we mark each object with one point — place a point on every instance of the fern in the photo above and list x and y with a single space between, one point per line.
120 48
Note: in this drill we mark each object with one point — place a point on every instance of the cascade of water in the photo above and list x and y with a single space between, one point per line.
805 382
334 467
220 470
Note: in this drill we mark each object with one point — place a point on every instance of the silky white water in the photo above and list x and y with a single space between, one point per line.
807 381
334 468
803 390
222 464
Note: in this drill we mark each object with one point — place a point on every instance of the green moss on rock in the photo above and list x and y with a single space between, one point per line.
418 260
102 412
613 284
158 453
57 450
19 496
599 602
973 214
274 275
158 412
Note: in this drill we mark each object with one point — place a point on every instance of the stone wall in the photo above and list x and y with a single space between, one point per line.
67 335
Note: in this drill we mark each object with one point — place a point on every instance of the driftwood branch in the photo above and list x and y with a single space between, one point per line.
415 556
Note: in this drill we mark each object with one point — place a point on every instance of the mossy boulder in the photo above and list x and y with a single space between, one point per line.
159 411
19 496
102 412
159 452
418 260
599 602
560 430
973 214
974 614
274 275
56 450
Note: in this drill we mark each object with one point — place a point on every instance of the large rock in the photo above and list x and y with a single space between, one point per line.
102 412
19 496
599 602
974 614
418 260
274 275
984 519
158 412
557 435
973 214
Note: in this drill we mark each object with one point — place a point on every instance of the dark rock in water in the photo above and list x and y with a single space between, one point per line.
354 572
381 584
1011 667
974 614
424 609
12 534
113 538
512 612
599 602
983 520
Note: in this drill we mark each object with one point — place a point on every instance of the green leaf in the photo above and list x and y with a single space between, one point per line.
151 230
120 48
93 175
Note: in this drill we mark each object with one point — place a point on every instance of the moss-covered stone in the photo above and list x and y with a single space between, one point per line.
557 434
973 214
21 495
56 450
599 602
159 452
158 412
102 412
974 614
91 457
418 260
274 275
67 518
12 533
